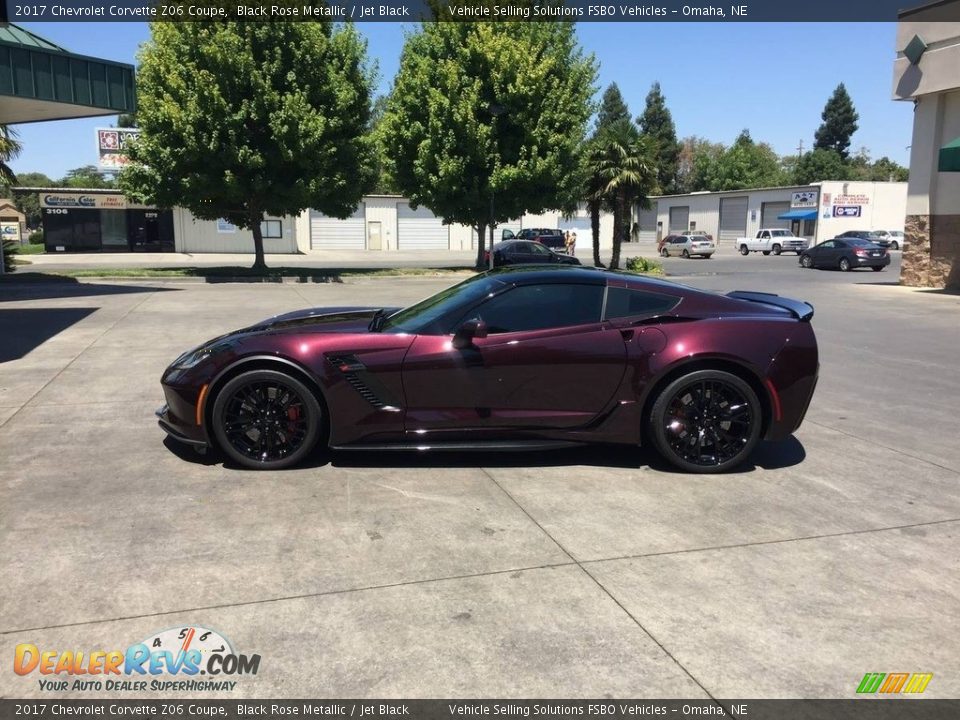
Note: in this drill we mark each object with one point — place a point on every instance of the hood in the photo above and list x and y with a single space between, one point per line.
321 319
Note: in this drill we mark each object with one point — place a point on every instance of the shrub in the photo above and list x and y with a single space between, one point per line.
9 250
641 264
35 238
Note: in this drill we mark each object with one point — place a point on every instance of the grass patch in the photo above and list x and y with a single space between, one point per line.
247 272
644 266
30 249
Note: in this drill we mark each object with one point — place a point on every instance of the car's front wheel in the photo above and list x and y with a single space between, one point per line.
806 261
877 268
266 420
707 421
744 250
686 254
777 249
664 253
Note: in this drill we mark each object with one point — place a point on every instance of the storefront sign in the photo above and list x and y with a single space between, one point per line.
112 147
851 200
846 211
10 231
804 199
88 201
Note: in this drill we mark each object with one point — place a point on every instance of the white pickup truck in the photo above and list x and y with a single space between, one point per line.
772 240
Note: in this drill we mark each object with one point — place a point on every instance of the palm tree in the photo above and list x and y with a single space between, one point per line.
9 149
621 172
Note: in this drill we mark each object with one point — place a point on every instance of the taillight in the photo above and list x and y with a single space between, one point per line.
860 252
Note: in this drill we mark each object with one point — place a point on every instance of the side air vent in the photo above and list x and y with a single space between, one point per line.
354 372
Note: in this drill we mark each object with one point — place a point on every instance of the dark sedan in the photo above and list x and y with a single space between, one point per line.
550 237
845 253
514 359
526 252
869 235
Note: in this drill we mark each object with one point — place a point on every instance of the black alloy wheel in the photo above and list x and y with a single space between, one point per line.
707 421
266 420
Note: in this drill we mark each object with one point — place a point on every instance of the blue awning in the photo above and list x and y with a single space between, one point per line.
802 214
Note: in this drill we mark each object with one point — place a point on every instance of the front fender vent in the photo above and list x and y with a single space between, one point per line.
355 373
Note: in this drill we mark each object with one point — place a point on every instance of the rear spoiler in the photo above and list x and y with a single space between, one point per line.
797 308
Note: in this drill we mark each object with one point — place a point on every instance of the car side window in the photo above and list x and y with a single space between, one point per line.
540 307
538 249
828 244
626 302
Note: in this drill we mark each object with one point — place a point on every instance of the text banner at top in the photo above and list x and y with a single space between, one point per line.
16 11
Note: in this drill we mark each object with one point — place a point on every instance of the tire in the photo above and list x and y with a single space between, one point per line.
258 401
894 245
743 250
877 269
844 265
806 261
707 421
664 252
766 252
685 254
777 249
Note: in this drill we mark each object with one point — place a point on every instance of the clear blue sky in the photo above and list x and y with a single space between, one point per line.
717 78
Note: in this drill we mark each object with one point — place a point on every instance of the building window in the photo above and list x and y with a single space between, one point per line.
809 228
271 229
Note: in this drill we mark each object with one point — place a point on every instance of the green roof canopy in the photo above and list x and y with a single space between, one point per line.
950 157
41 81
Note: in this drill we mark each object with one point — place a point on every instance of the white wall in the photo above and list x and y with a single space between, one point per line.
191 235
885 207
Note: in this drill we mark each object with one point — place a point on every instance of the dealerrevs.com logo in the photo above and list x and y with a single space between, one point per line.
184 658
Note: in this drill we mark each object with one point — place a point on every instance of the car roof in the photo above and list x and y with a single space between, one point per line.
532 274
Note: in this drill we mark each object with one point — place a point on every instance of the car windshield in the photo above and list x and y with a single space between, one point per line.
419 317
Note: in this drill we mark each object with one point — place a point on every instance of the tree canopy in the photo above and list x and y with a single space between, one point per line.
839 123
613 109
238 119
487 119
820 164
656 122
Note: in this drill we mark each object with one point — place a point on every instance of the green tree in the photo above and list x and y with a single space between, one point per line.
127 120
623 166
238 119
839 123
87 177
613 108
745 164
29 202
486 120
885 169
9 150
695 163
613 113
820 164
657 123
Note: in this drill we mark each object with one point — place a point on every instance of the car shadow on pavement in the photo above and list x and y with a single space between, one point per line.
768 456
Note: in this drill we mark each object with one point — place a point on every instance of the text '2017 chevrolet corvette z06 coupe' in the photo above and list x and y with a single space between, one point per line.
520 358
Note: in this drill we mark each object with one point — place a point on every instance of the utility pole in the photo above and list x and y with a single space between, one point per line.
800 149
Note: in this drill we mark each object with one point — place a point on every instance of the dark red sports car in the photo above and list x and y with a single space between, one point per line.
524 358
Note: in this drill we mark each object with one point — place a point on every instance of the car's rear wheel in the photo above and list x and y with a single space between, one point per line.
744 250
877 268
894 245
707 421
685 253
777 249
266 420
806 261
664 253
844 264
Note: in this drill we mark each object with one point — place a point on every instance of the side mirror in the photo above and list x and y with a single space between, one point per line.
468 332
507 234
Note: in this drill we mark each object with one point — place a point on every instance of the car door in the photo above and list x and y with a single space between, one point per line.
829 253
547 363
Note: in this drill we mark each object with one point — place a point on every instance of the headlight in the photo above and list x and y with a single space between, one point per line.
193 357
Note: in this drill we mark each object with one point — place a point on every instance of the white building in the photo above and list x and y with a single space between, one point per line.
818 211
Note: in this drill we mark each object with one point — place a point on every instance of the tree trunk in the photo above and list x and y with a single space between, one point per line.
618 214
594 207
259 263
481 229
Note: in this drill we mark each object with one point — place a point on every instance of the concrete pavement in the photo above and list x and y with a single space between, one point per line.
582 573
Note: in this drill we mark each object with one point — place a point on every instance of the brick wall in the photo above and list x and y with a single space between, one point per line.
931 257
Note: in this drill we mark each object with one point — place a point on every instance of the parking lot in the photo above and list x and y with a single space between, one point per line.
591 572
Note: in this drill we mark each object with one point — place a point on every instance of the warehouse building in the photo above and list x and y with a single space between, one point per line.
818 212
925 72
96 220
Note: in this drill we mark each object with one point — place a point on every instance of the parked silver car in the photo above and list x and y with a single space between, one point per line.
687 246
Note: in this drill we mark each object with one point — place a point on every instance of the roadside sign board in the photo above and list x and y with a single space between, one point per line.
111 147
846 211
804 199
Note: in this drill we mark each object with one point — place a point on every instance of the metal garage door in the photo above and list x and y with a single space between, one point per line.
647 220
733 219
769 212
679 219
330 233
420 229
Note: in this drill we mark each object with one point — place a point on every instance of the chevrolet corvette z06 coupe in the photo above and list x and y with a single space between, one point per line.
521 358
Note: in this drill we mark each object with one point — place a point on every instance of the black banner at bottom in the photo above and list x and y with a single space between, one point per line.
606 709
